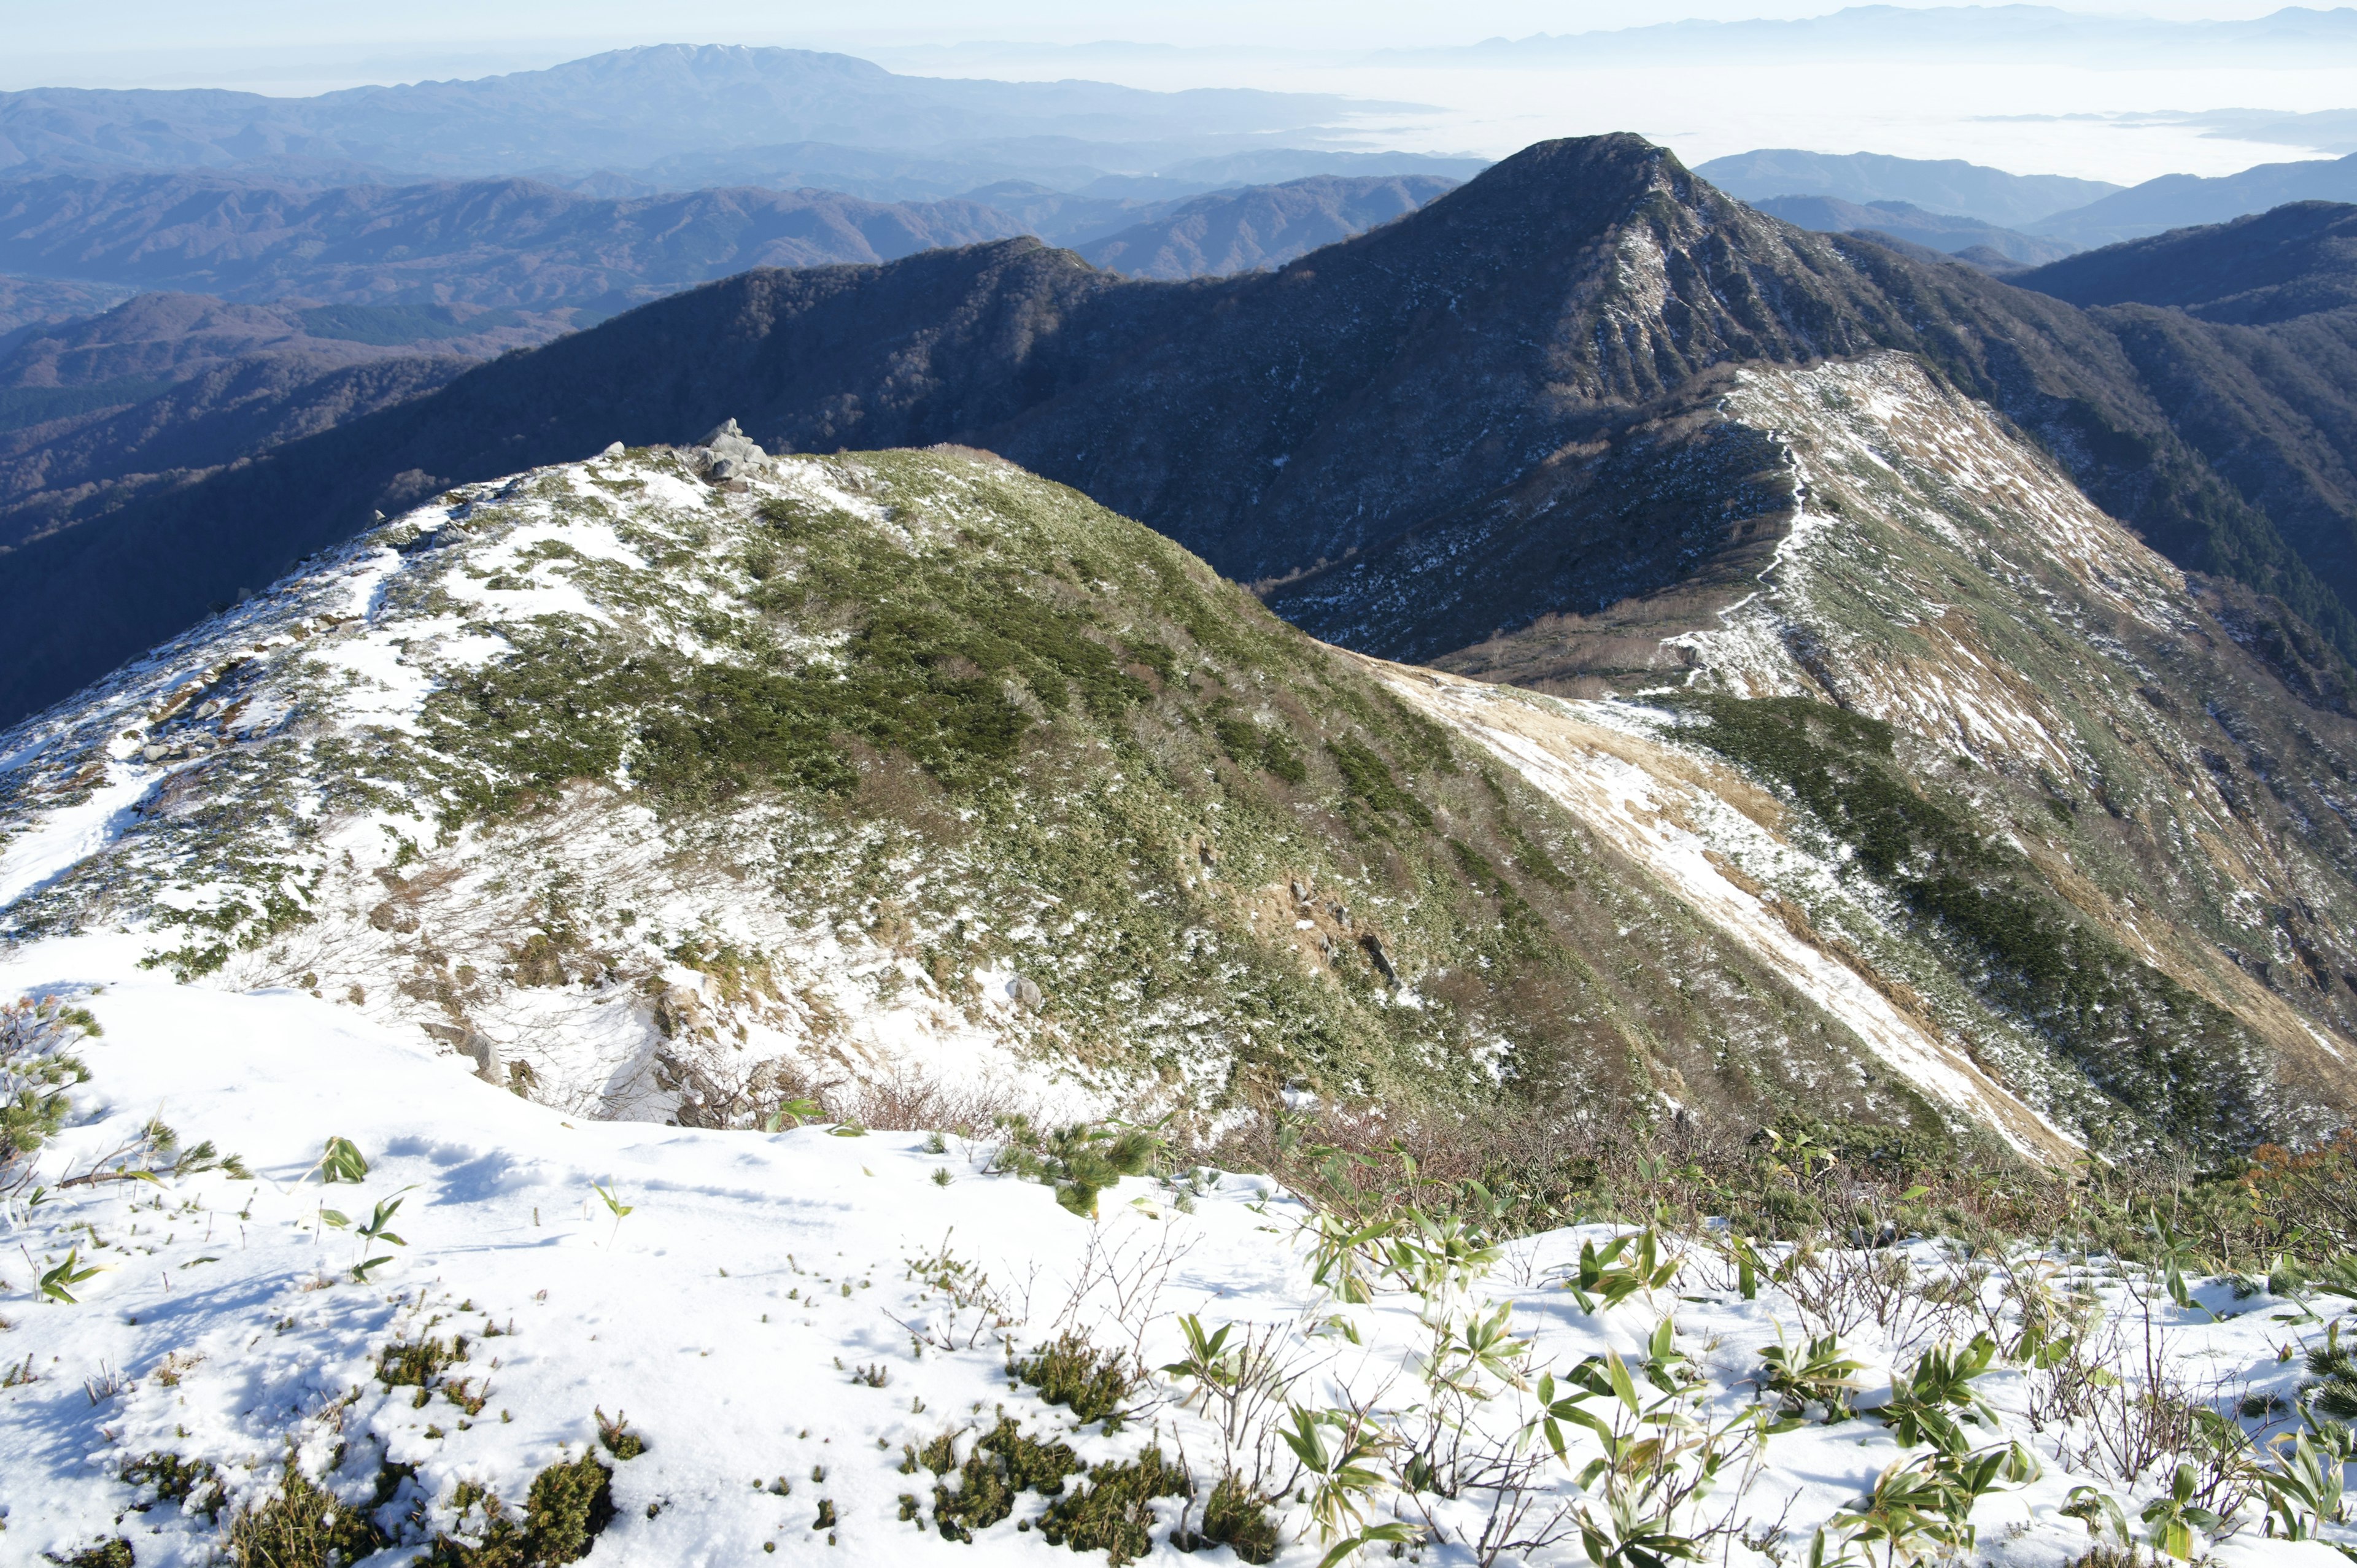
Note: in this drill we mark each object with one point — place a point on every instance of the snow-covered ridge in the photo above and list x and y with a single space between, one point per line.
237 753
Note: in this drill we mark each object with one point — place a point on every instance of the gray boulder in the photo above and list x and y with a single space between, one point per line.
728 444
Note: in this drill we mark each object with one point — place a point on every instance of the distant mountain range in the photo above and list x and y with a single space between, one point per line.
1949 186
512 243
519 245
2178 200
2323 130
2298 260
27 302
169 387
1237 232
699 114
1325 428
1084 171
416 283
2074 212
1905 220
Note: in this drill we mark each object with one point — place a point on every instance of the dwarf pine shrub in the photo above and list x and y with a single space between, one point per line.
1114 1513
302 1525
1093 1384
1236 1517
1003 1463
570 1504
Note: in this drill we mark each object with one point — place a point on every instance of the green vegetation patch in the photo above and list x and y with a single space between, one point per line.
1004 1462
1093 1384
1114 1512
570 1504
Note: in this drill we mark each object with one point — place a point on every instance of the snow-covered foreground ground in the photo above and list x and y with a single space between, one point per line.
760 1315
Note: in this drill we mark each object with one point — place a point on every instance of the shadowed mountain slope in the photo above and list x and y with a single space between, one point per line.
2297 260
167 387
1274 422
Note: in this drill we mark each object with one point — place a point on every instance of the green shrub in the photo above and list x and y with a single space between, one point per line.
1236 1517
1114 1512
303 1525
981 1499
2139 1036
1367 777
1093 1384
112 1553
570 1503
193 1484
617 1438
419 1364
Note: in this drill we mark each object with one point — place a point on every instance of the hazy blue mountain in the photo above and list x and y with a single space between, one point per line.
1953 236
2298 260
1272 166
402 256
622 109
1264 226
512 244
1939 185
2324 131
1174 171
28 302
2181 200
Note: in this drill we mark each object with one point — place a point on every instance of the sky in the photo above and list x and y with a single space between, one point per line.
2027 117
228 42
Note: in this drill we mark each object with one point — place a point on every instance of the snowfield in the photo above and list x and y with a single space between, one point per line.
777 1316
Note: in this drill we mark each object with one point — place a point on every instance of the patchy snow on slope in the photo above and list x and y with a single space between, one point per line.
1903 485
1717 860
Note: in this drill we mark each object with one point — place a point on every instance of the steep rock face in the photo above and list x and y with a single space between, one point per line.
2160 754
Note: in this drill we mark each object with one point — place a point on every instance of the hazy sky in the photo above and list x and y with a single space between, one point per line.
228 42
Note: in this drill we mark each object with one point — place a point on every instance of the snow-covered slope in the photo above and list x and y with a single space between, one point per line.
787 1324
